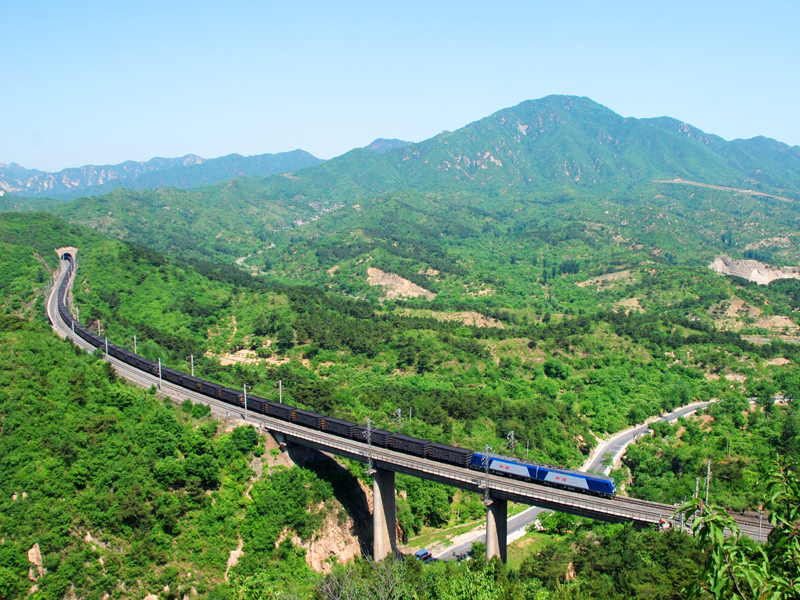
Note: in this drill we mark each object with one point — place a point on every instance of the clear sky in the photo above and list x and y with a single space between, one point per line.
102 82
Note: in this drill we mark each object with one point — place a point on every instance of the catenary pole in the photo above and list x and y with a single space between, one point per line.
245 402
760 514
159 373
370 469
134 344
486 460
708 479
191 357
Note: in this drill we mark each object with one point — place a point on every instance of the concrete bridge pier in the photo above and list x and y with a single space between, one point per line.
384 520
496 529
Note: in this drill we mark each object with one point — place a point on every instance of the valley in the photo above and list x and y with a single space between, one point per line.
544 270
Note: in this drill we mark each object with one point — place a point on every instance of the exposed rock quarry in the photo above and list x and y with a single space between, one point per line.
395 285
753 270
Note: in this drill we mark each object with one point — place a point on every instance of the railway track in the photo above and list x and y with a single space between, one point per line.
616 509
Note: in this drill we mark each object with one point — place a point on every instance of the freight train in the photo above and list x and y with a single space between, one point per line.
442 453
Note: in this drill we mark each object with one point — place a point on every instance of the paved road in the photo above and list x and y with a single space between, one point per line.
616 445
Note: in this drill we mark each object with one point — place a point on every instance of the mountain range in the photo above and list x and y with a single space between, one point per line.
184 172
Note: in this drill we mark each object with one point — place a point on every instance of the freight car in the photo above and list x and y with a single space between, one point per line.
442 453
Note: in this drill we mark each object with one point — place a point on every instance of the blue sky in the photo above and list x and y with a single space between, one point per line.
103 82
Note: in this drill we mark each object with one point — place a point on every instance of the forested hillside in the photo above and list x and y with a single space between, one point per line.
118 492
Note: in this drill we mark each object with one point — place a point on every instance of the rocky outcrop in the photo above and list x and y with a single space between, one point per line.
35 558
234 557
753 270
334 540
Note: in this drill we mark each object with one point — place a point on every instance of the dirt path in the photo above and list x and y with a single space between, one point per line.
722 188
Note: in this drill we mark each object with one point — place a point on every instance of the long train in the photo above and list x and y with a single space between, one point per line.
443 453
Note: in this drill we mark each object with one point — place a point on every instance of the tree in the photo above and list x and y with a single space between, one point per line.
738 568
558 522
285 337
244 438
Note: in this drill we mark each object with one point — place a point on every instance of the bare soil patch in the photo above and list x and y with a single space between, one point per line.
472 318
779 362
632 305
608 280
395 286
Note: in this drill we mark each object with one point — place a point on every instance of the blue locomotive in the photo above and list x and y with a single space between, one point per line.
544 474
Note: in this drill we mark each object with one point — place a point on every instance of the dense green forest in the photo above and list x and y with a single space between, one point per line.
117 492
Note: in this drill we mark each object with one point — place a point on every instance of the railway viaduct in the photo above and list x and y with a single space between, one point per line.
384 463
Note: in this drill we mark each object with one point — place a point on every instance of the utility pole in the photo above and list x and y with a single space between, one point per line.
245 402
708 479
399 418
159 373
134 344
